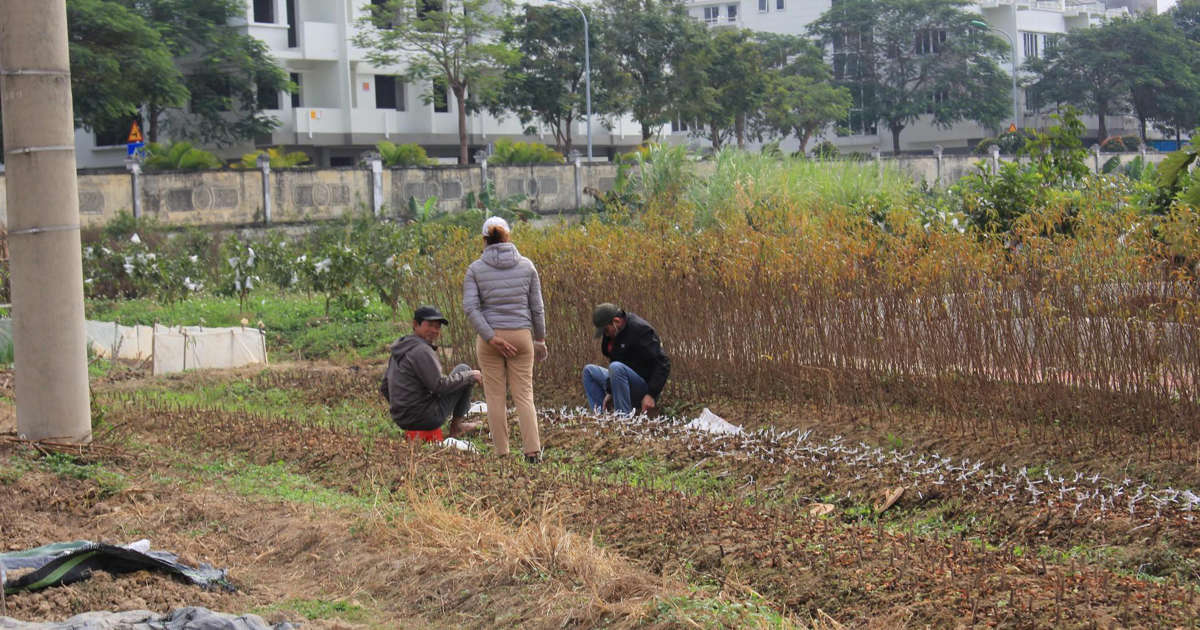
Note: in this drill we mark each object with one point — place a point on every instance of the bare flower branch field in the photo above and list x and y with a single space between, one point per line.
943 426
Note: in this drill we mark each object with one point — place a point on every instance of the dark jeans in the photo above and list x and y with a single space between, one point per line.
450 405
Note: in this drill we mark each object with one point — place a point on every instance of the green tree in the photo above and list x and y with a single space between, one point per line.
647 41
226 71
906 59
455 41
1083 70
726 79
547 83
1161 67
118 62
1178 113
1186 16
799 97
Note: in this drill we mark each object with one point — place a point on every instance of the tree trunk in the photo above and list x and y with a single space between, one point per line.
739 129
1102 129
715 135
153 112
1142 129
646 133
460 100
566 139
896 129
804 135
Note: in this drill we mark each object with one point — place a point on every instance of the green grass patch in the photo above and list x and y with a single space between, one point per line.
64 465
243 396
699 611
276 481
314 609
650 472
295 323
12 468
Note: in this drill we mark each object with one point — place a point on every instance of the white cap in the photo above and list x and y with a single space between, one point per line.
495 222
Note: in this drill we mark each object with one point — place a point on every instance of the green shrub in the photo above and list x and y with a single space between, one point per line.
178 156
509 152
394 155
278 158
825 150
1010 143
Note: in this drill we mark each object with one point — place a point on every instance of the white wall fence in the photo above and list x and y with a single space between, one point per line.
286 196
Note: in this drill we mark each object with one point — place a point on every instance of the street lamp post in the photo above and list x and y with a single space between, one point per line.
984 26
587 70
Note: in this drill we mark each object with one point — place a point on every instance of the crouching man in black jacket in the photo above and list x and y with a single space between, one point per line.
419 397
638 367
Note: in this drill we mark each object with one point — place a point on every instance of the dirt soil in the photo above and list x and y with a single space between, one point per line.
1003 545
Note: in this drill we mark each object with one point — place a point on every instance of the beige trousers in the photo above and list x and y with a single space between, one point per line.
515 375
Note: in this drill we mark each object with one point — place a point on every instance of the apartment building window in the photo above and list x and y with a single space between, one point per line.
712 15
290 7
441 100
264 11
295 78
731 12
779 5
858 122
682 125
377 9
1049 42
428 6
929 41
1030 42
1033 101
763 5
847 63
266 95
389 93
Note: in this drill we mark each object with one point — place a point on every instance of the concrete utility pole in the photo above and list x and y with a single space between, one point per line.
43 223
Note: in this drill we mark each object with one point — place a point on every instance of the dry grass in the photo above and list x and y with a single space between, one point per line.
577 583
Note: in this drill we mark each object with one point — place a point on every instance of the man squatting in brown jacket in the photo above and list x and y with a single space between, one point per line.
420 398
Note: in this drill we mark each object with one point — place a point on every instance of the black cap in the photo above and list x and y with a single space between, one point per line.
603 315
429 313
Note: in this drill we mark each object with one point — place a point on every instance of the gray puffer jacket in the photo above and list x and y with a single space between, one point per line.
413 381
502 290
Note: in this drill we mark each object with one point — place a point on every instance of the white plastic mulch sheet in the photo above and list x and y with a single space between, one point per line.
710 422
182 348
114 341
173 348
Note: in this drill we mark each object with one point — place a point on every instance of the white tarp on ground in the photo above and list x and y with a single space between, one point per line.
181 348
173 348
712 423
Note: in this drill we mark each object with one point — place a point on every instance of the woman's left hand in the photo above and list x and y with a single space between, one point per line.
540 351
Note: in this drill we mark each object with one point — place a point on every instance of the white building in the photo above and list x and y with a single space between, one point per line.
1031 25
345 105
